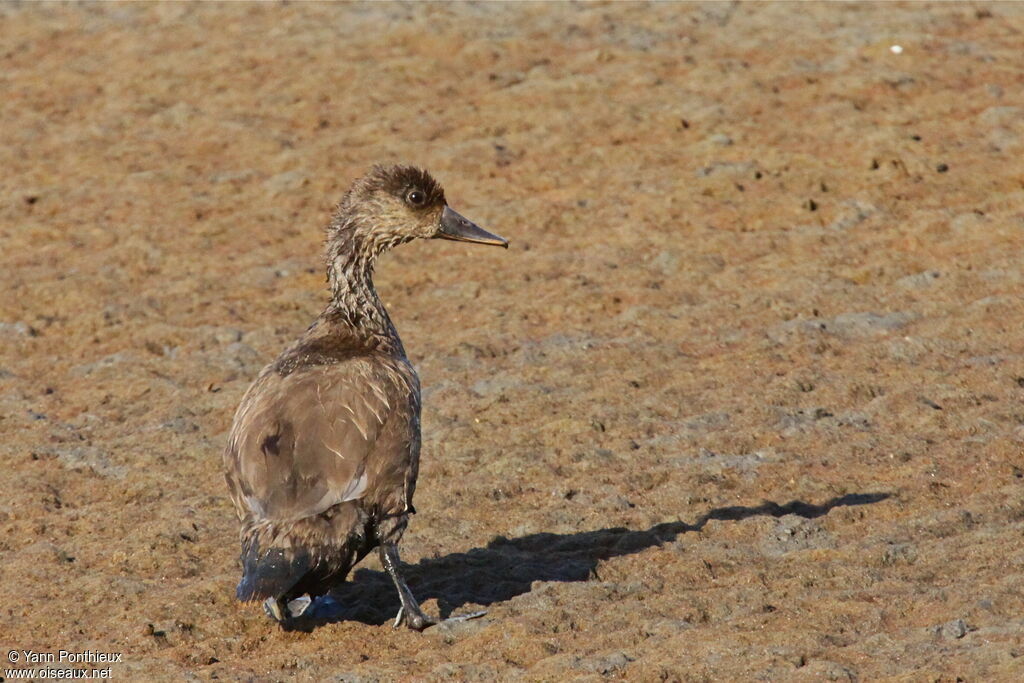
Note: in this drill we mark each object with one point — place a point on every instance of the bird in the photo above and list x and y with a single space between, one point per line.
323 454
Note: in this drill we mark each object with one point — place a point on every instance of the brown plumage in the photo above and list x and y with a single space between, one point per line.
323 455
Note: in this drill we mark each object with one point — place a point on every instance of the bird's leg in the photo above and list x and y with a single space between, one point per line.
410 611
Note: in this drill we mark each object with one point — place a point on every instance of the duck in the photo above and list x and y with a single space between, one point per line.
323 454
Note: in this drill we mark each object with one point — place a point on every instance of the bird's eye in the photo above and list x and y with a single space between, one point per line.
416 198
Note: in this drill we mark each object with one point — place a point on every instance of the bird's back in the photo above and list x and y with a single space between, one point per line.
323 451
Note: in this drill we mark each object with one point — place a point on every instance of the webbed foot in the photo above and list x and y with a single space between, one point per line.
421 621
285 611
413 618
276 610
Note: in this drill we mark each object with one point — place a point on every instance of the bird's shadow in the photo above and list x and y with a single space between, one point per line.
507 567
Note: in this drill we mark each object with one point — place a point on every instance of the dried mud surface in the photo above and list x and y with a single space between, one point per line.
742 401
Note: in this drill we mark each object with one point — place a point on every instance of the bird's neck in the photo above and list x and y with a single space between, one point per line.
355 306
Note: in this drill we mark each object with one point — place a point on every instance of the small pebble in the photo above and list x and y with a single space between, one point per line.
953 630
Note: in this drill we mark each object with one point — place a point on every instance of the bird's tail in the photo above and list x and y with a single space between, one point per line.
273 573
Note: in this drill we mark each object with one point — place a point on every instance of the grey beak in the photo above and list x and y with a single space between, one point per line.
456 227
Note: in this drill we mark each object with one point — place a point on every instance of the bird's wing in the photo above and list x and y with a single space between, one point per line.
300 442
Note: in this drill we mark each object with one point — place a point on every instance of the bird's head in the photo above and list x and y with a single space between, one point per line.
395 204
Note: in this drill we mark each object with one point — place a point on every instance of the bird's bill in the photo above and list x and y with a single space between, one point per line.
456 227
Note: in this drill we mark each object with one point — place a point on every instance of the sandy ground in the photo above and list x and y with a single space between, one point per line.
742 402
